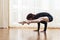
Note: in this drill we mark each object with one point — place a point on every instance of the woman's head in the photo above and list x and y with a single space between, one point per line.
30 16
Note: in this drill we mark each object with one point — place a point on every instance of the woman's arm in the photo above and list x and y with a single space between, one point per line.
31 21
36 20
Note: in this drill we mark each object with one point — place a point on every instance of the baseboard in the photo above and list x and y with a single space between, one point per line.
34 27
29 27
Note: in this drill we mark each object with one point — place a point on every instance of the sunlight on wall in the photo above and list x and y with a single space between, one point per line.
4 11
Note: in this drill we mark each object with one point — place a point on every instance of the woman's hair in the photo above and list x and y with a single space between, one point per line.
30 15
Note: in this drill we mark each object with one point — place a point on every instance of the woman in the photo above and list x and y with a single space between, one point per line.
37 18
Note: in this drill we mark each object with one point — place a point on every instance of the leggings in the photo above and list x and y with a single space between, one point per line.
45 26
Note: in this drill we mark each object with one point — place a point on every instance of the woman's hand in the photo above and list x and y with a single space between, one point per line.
28 22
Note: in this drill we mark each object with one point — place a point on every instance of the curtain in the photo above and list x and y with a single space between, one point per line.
19 9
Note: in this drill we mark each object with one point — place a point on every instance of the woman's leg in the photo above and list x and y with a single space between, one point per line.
38 26
45 24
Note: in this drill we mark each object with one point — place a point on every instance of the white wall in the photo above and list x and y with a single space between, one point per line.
4 13
53 8
20 8
55 11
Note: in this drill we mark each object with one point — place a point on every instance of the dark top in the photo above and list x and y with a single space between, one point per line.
43 14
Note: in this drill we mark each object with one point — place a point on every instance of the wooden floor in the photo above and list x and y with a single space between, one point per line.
18 34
